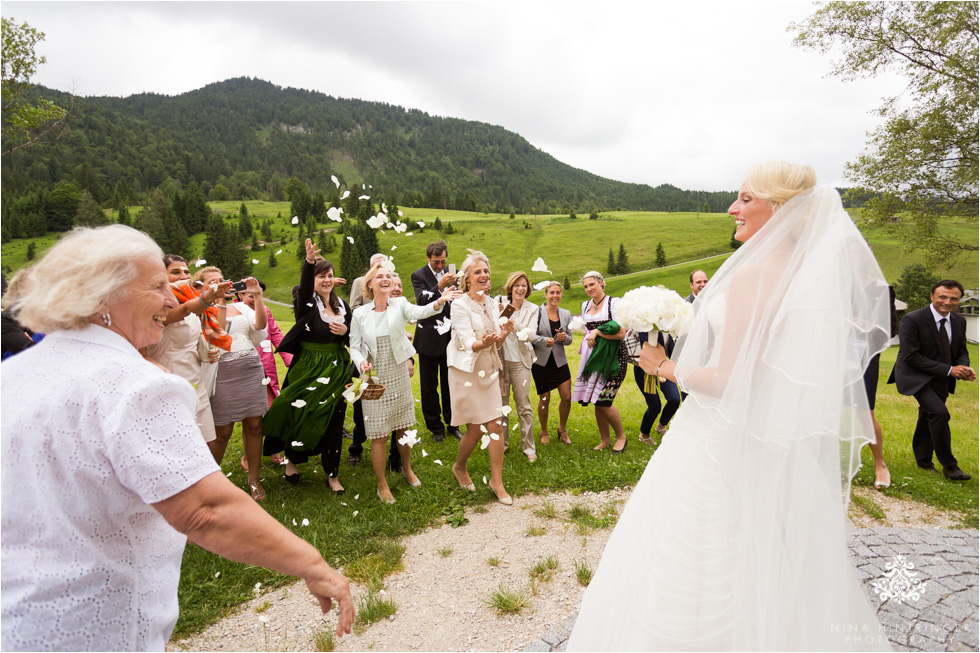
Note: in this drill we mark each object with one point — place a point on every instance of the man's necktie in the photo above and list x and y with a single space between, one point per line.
944 343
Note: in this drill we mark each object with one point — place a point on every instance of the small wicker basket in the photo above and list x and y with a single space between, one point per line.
371 391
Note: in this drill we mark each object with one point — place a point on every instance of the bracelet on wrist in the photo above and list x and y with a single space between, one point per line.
657 372
204 303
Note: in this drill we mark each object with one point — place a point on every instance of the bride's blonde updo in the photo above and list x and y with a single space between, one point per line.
779 181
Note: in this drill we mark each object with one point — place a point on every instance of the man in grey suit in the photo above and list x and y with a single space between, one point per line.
932 356
698 280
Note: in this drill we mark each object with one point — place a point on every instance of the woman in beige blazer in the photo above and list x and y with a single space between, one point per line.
518 357
378 342
474 365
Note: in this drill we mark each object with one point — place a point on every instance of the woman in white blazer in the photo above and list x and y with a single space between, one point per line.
550 369
474 363
378 343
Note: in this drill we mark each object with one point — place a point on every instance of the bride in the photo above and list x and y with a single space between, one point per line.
735 536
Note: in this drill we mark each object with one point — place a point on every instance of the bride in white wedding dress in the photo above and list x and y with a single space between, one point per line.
735 536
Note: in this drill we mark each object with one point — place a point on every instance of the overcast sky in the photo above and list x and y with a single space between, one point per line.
686 93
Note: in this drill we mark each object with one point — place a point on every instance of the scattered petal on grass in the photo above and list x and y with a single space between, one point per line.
424 453
306 522
228 474
278 252
356 513
356 497
258 586
485 481
299 403
410 234
394 247
217 573
294 522
438 462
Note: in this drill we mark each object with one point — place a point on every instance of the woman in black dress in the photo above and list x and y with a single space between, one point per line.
307 417
550 370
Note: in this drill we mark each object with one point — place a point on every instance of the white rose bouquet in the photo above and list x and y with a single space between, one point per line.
652 309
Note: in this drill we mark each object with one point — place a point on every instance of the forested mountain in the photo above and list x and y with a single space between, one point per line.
245 138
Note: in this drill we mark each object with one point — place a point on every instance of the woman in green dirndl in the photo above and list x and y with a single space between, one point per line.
307 417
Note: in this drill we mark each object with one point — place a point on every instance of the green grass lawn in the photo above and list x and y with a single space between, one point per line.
211 587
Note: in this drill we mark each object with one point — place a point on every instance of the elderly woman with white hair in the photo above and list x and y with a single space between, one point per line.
104 472
474 365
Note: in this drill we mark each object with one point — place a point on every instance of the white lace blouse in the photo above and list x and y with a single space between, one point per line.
92 434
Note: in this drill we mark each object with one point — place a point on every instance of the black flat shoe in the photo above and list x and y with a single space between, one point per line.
620 450
292 479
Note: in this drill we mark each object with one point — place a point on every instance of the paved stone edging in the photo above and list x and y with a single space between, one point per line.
945 618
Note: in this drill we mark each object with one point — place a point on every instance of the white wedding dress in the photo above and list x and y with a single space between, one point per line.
735 536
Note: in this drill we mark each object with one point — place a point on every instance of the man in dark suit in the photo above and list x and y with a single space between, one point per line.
932 356
429 282
698 281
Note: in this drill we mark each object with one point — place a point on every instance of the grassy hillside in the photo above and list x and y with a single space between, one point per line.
569 246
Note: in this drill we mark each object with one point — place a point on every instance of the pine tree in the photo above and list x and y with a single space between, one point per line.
661 256
272 258
31 250
321 241
611 265
734 244
437 224
567 285
622 261
122 215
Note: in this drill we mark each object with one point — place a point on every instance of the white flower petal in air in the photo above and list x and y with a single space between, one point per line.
201 262
345 195
389 225
424 453
350 240
255 261
483 428
540 266
514 427
410 234
480 292
279 252
388 264
410 438
420 224
485 441
505 410
266 381
376 221
495 375
400 214
334 214
576 323
228 474
299 403
306 522
266 345
438 462
499 422
494 436
541 285
485 481
467 384
311 388
258 586
394 247
295 219
444 326
324 380
296 444
307 326
481 374
336 181
501 321
364 197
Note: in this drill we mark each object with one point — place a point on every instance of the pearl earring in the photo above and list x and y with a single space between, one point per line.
107 319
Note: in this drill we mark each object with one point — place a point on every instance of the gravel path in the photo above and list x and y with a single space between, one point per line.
441 594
